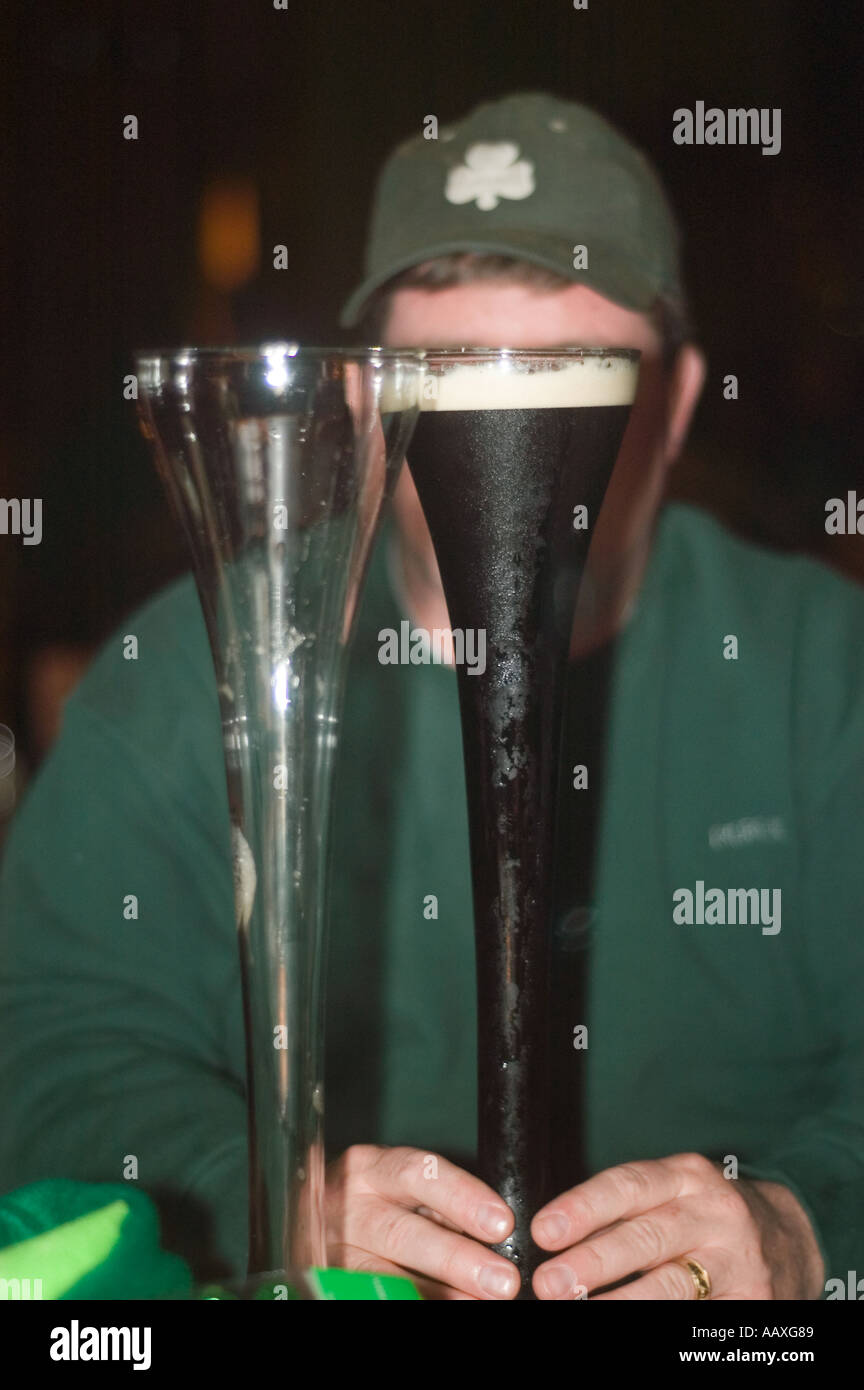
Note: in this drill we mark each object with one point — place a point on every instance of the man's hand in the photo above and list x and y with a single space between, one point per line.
752 1238
403 1211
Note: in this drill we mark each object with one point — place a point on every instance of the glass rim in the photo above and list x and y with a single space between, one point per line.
250 352
245 352
519 354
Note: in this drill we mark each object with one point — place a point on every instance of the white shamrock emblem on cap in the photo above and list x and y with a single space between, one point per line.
490 172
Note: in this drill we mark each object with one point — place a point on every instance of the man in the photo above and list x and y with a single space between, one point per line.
723 1121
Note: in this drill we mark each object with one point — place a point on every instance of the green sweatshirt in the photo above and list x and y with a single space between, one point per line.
121 1042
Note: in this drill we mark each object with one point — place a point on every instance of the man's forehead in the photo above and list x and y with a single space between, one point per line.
492 313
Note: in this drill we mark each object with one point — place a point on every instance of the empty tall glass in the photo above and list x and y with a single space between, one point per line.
277 460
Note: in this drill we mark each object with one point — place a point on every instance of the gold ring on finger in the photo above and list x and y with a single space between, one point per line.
700 1276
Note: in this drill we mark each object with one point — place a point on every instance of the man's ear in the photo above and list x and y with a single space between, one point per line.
685 388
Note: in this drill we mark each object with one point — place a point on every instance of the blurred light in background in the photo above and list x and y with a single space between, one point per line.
228 233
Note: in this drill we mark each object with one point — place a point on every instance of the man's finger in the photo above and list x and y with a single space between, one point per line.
646 1241
417 1179
414 1243
616 1194
669 1283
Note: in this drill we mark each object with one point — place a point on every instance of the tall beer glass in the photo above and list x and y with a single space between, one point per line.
511 456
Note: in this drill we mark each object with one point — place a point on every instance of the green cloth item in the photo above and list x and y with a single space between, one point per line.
123 1035
75 1240
72 1240
532 177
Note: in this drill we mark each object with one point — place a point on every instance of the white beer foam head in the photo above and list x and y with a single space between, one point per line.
503 384
397 389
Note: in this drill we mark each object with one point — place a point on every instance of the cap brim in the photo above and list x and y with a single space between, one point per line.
611 272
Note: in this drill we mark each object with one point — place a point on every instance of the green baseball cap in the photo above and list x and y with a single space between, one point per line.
536 178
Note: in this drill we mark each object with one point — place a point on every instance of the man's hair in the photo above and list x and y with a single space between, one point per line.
671 320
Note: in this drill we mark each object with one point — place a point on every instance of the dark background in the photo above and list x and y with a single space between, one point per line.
100 244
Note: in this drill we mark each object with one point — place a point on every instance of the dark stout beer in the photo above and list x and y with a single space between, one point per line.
501 458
